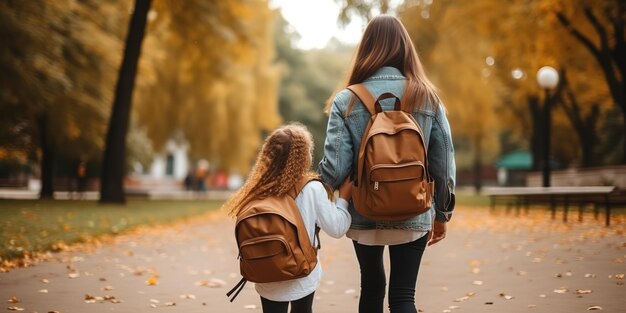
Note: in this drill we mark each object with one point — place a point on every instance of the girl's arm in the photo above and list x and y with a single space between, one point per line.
332 218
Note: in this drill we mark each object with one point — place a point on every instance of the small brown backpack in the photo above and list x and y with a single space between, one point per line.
393 182
273 241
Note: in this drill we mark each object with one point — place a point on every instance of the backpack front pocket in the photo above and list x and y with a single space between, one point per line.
264 247
397 191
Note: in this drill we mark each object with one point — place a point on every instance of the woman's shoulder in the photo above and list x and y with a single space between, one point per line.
342 98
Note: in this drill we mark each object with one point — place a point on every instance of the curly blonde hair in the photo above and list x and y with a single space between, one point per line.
284 160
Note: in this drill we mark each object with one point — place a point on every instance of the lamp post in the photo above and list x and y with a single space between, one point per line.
547 78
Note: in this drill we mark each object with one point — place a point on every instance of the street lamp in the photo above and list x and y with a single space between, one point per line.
547 78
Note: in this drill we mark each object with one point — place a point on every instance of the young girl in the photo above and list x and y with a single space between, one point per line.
284 160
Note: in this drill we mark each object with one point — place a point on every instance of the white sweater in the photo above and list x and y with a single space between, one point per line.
333 219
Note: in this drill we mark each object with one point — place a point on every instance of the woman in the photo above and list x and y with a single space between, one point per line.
284 160
386 61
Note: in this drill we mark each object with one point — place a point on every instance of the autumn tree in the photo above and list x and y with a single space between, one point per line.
113 169
606 42
57 64
208 73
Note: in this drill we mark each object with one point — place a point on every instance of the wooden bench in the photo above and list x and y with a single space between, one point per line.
581 195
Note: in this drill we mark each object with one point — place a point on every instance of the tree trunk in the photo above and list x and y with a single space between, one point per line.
113 168
47 159
588 141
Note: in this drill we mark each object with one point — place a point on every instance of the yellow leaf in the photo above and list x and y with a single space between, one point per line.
152 281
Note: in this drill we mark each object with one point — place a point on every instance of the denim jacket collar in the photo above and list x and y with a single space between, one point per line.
387 73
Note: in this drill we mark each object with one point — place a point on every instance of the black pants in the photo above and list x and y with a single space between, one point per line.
405 261
304 305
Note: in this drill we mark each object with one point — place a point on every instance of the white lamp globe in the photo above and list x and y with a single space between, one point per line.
547 77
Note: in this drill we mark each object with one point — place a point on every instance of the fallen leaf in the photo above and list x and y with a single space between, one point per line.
561 290
619 276
14 299
73 275
594 308
152 281
45 281
211 283
582 291
15 308
590 275
461 299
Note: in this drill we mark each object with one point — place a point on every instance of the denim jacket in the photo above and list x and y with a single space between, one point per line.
343 140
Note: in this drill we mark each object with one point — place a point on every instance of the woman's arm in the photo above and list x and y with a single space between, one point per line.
337 160
442 166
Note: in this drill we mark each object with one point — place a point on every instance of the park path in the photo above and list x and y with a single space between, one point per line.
488 263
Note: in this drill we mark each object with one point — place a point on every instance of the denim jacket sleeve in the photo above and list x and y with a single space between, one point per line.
337 161
442 166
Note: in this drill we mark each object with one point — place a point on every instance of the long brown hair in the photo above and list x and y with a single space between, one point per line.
284 160
386 42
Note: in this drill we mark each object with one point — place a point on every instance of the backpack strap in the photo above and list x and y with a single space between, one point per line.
365 96
237 289
294 192
317 246
371 104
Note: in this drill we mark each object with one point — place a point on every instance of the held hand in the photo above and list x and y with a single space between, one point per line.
438 233
345 190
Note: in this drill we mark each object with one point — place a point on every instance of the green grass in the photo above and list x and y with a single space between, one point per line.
29 226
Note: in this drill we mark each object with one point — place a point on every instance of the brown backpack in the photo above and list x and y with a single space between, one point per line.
273 241
393 182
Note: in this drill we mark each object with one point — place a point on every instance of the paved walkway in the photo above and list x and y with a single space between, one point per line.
488 263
